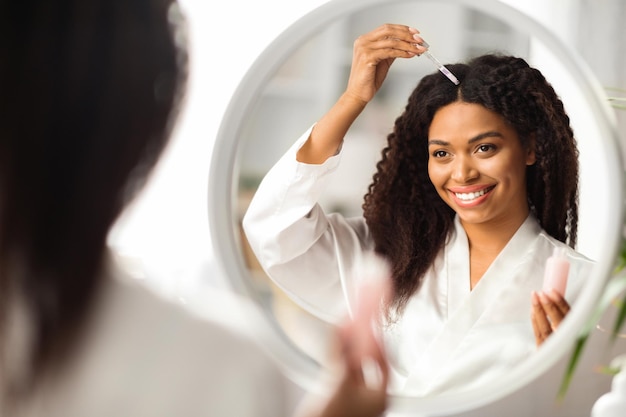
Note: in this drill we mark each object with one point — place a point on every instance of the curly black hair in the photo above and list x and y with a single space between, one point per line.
408 220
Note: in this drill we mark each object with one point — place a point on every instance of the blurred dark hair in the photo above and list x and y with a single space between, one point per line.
89 92
410 222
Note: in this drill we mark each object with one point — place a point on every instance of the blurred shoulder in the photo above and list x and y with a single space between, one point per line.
145 355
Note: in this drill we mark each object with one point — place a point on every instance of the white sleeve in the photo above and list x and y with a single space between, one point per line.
307 253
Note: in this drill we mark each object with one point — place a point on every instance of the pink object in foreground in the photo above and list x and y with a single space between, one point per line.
374 278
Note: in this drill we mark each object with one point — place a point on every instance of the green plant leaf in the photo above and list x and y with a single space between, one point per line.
571 366
621 316
617 101
613 289
608 370
621 261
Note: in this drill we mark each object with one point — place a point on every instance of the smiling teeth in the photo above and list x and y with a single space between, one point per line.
471 196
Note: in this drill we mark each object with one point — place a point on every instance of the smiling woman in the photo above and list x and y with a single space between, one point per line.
462 206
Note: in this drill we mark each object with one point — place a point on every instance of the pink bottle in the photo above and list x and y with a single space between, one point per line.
557 269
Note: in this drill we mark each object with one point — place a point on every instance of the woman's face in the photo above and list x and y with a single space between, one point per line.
478 165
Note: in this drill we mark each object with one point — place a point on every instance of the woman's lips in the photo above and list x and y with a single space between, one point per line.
471 195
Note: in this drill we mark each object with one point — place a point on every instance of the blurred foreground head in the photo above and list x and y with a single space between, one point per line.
89 93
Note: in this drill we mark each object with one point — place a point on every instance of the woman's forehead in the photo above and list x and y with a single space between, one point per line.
465 119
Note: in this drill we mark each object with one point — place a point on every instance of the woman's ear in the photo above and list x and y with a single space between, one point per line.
531 158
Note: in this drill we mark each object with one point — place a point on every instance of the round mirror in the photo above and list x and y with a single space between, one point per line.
300 75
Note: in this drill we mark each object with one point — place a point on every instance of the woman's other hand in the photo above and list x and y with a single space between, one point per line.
361 390
548 310
361 368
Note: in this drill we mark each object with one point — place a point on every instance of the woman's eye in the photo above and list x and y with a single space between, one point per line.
440 154
485 148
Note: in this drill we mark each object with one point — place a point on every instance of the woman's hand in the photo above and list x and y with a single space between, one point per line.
361 389
548 310
362 371
373 54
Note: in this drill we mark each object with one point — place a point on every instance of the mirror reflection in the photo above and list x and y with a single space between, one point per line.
470 200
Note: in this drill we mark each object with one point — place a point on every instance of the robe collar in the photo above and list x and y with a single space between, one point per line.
458 268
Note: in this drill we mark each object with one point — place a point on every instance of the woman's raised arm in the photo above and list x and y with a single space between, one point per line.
372 57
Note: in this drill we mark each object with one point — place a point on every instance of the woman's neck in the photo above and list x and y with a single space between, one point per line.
492 236
486 241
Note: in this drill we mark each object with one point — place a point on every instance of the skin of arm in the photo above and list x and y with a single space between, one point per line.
373 54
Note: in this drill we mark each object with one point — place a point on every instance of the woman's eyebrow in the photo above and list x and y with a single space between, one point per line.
438 142
489 134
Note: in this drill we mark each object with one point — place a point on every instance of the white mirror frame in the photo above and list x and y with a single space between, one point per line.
223 220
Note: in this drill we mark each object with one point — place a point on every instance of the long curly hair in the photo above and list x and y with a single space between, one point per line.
408 220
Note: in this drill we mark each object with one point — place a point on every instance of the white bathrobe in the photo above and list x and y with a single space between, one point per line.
448 338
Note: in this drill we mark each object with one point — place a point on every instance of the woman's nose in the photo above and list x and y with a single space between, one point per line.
463 170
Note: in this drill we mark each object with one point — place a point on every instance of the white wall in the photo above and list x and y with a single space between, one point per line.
165 234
